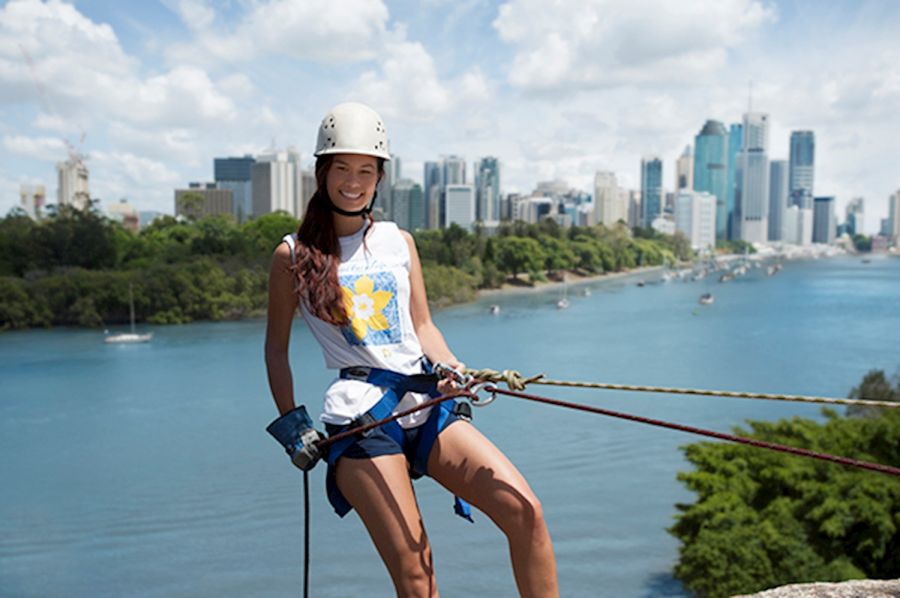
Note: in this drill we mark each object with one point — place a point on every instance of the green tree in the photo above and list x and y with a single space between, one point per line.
191 205
17 250
875 387
265 232
763 519
517 254
862 243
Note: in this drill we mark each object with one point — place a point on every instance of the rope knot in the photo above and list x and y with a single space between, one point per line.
512 378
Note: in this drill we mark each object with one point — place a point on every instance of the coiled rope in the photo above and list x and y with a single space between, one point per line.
515 381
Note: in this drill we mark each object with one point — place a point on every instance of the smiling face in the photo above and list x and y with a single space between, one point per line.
351 181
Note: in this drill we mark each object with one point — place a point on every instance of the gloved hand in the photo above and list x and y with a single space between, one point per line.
294 431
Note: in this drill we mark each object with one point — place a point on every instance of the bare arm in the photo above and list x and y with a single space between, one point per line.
282 305
433 344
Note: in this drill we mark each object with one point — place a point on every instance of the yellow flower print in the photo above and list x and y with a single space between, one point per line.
364 306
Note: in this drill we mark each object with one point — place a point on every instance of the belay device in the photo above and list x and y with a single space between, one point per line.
294 431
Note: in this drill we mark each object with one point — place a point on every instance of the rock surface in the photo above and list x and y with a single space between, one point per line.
863 588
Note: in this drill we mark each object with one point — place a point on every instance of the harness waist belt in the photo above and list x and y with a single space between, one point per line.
397 386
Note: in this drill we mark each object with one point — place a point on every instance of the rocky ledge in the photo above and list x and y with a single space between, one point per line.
863 588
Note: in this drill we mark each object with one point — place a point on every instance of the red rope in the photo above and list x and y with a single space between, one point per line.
703 432
886 469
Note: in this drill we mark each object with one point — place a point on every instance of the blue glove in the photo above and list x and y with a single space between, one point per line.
294 431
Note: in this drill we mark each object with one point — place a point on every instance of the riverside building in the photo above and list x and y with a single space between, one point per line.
778 197
711 169
73 189
695 216
802 168
751 199
460 205
275 181
651 190
824 220
236 174
200 200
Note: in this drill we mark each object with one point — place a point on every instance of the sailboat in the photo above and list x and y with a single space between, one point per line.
133 336
563 302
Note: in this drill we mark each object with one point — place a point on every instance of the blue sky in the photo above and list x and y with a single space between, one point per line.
554 89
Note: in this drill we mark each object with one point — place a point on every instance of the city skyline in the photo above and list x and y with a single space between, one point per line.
554 92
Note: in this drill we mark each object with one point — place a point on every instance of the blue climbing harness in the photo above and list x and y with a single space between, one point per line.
396 385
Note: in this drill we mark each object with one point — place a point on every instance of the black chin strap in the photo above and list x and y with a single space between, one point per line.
363 212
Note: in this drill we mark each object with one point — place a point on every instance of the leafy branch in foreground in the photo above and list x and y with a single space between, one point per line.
764 519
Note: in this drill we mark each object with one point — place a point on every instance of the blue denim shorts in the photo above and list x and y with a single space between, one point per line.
378 443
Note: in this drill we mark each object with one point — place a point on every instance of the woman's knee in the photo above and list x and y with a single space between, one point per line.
520 513
414 576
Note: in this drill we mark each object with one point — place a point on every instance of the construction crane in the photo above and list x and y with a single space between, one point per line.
74 152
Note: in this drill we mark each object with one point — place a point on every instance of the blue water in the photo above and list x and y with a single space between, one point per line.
146 471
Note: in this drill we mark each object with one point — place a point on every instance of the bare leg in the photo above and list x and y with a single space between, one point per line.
470 466
381 492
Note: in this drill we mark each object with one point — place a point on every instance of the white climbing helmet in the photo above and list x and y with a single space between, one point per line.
352 128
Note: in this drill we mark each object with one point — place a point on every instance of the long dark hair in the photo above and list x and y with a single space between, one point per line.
319 252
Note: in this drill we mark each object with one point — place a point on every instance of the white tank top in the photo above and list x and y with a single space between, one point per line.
374 278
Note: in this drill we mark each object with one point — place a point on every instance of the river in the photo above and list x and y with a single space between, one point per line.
146 471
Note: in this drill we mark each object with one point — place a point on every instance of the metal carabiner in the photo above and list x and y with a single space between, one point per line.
479 387
444 370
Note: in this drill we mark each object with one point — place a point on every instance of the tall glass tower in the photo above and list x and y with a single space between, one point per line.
735 140
778 194
487 192
802 168
711 169
651 190
234 174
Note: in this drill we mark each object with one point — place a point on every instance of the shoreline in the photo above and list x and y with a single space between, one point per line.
572 279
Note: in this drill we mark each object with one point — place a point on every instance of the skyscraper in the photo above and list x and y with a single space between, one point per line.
235 174
610 205
751 199
487 195
460 200
802 168
433 191
735 141
73 183
824 221
711 169
756 131
409 207
454 170
695 216
274 182
384 201
778 197
684 170
751 196
855 212
894 217
651 190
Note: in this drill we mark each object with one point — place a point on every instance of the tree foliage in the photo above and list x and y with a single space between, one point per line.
74 267
764 519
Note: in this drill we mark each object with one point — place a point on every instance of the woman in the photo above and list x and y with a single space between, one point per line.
360 289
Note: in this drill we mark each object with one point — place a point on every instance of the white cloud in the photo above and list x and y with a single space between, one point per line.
406 85
97 82
196 14
49 149
603 43
147 183
329 31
